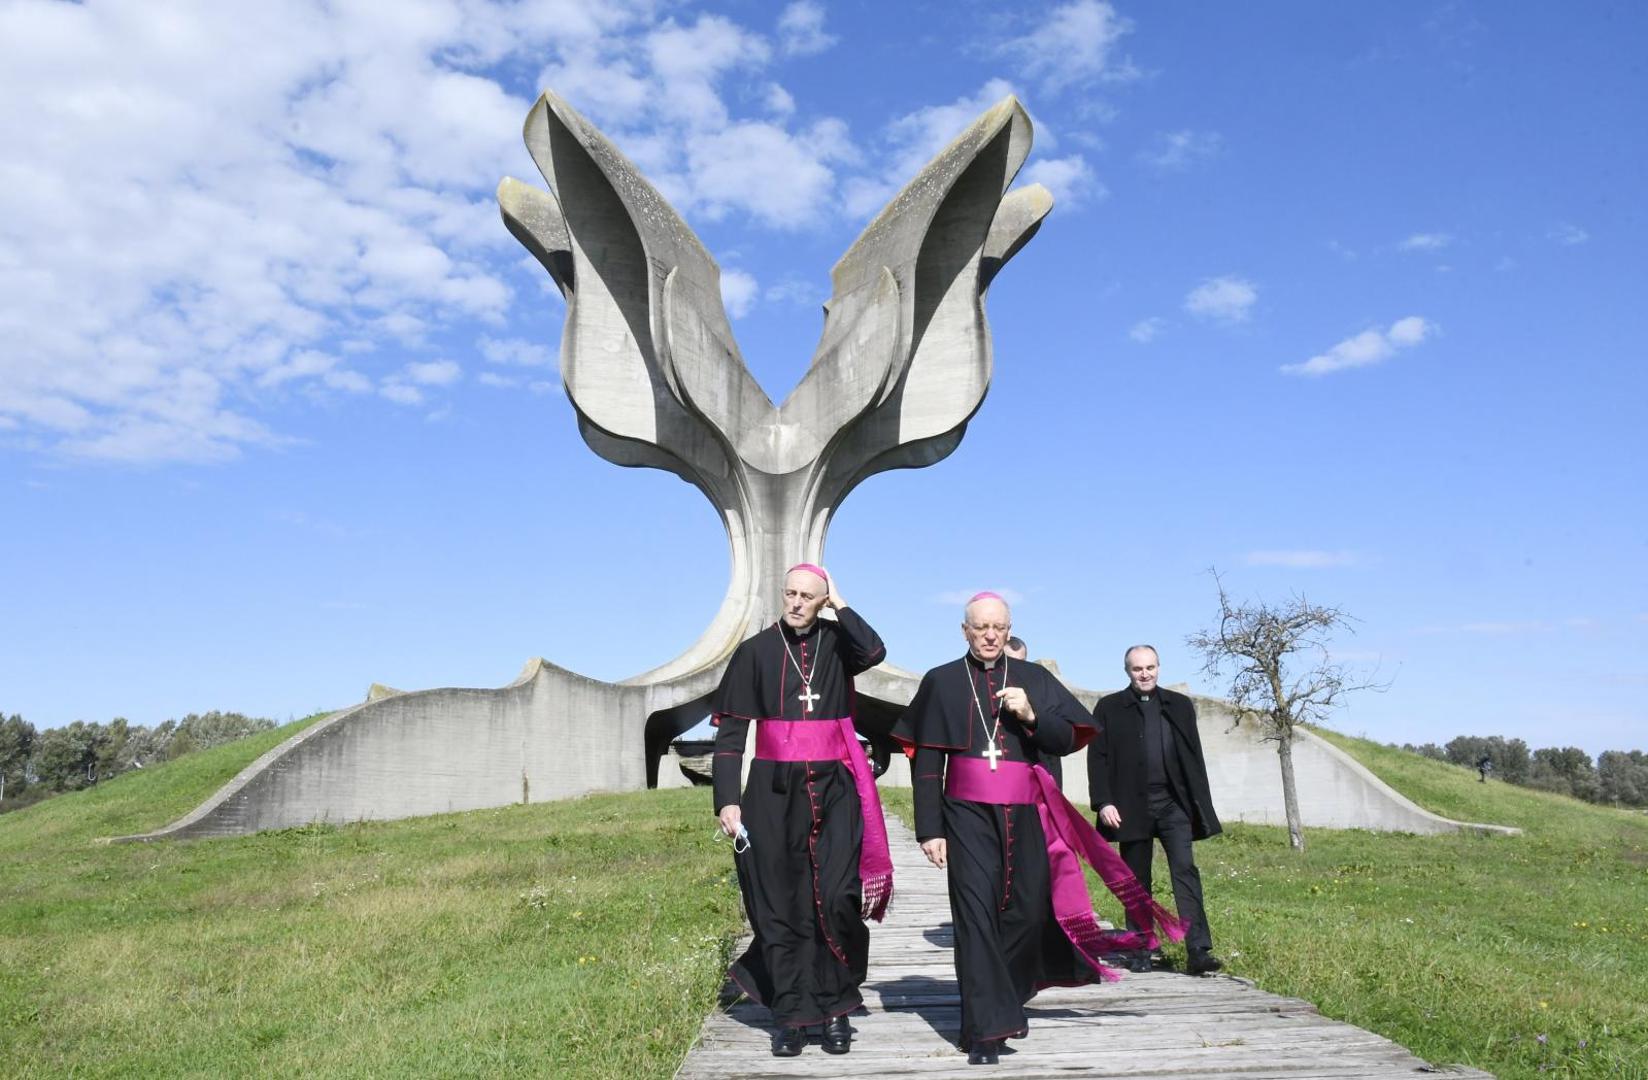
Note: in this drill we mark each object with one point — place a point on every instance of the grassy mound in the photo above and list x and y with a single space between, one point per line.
583 938
587 938
1524 956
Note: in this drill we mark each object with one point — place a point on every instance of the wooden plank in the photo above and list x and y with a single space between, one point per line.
1158 1024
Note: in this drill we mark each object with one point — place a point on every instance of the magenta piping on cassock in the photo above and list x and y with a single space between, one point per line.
835 740
1070 841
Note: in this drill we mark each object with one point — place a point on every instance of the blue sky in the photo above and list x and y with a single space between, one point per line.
1345 301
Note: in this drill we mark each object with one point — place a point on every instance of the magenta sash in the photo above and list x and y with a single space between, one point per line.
835 740
1070 839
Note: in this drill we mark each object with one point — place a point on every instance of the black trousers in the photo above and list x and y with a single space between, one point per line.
1171 825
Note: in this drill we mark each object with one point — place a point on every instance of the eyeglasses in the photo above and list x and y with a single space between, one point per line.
979 628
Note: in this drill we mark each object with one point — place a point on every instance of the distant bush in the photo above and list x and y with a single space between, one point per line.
37 764
1619 777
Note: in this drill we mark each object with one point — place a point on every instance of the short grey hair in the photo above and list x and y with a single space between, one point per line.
1131 649
967 608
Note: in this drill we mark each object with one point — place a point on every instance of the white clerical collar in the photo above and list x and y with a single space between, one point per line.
987 665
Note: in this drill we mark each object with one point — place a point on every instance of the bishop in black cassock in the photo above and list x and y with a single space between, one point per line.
810 809
974 723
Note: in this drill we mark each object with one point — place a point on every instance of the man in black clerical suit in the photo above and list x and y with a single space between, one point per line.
812 845
1147 780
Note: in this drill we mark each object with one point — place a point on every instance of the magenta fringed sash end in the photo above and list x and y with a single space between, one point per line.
835 740
875 856
1070 840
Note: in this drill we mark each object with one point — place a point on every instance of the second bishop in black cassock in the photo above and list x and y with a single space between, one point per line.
1010 940
810 819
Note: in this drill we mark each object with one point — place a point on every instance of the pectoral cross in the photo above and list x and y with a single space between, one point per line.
807 699
992 751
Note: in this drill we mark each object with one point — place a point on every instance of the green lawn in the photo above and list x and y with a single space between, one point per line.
1525 956
583 938
588 938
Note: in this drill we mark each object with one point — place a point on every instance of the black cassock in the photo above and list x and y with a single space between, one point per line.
1008 944
800 876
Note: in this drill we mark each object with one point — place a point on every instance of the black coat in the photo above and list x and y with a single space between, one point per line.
1116 766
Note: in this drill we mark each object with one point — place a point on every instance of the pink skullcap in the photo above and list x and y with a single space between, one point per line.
986 596
816 571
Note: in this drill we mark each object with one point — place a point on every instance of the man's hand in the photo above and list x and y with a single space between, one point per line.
937 851
732 815
834 601
1109 816
1017 702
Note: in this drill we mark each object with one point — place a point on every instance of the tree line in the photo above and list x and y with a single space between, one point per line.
38 764
1618 777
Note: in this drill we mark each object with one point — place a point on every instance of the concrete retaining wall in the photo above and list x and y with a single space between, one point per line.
553 734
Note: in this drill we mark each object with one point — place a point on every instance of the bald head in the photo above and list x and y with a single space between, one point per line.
1142 667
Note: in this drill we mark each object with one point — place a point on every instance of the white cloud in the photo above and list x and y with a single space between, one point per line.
434 372
912 140
515 352
1073 46
782 179
401 394
342 379
738 292
1146 330
1409 331
1567 234
177 263
1302 560
1176 151
664 101
1434 241
795 291
1069 179
690 60
1370 347
493 379
779 101
1222 299
179 259
801 29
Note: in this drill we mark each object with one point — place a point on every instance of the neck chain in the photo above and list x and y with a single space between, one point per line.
995 714
807 696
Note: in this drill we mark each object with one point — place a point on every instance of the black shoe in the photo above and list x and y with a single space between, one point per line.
1203 962
788 1041
838 1035
1138 961
984 1051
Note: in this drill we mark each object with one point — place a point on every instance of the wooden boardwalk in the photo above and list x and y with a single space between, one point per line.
1161 1024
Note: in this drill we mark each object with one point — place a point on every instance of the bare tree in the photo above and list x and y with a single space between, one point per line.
1283 673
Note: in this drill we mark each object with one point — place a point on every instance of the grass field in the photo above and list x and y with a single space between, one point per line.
577 939
587 938
1526 956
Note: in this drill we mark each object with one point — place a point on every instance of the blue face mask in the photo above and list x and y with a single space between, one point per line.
740 839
